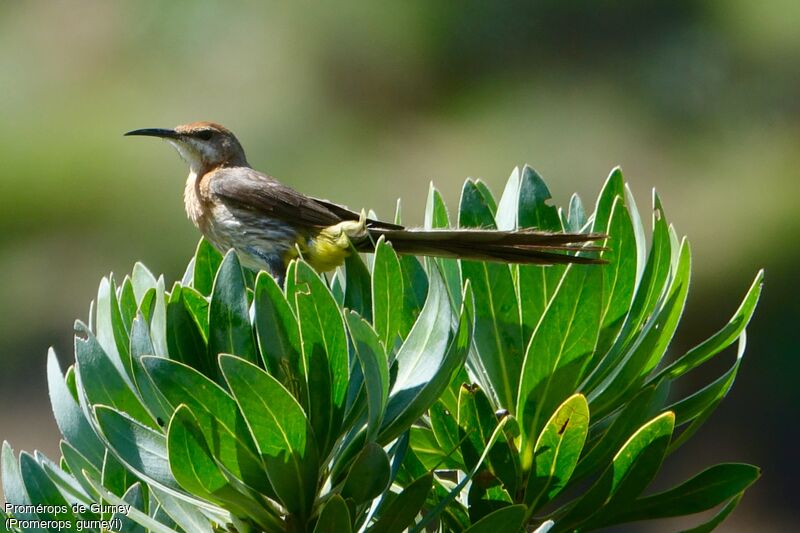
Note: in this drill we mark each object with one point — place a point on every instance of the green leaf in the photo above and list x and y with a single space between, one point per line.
369 475
141 449
403 509
185 515
142 281
67 484
445 500
335 517
281 431
206 263
14 489
134 514
477 421
557 451
632 415
218 415
102 383
536 284
69 417
110 332
721 339
559 351
158 320
115 476
185 341
387 294
135 499
42 490
415 289
426 360
650 345
197 305
141 345
576 218
127 303
228 317
651 286
324 344
436 217
375 368
631 471
278 337
718 518
619 274
506 520
445 431
499 335
81 468
696 403
196 470
358 286
704 491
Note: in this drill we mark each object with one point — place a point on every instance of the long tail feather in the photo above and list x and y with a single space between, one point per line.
522 246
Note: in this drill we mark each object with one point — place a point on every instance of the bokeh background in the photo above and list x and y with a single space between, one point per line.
364 102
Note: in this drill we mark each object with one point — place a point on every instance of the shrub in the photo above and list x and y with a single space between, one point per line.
230 403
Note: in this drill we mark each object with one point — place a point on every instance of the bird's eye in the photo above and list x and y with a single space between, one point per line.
205 135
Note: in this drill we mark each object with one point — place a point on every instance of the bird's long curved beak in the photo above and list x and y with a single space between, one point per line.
155 132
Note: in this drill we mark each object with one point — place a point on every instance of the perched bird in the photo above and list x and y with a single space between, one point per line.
269 223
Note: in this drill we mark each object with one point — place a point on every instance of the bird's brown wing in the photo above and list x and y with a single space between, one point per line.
249 189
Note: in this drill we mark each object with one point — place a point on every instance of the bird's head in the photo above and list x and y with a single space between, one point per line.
203 145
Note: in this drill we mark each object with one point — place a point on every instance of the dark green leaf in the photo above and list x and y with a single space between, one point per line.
206 263
536 284
358 286
652 285
702 492
426 361
229 321
387 294
135 499
140 448
218 415
506 520
436 217
651 344
619 274
477 421
368 476
324 344
196 470
404 508
185 341
721 339
141 345
375 368
415 289
279 337
335 517
281 431
499 335
718 518
42 490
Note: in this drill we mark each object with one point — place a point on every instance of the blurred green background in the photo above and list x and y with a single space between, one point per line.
364 102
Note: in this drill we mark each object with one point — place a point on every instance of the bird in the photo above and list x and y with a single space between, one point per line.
269 224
